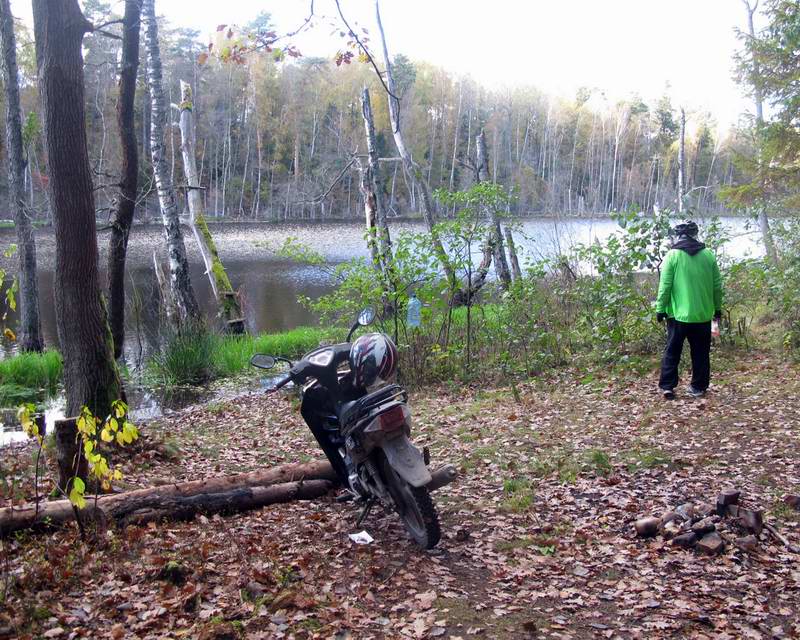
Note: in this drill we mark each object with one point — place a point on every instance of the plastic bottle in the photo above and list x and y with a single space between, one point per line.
414 311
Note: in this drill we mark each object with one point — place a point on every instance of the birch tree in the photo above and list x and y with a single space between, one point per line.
411 167
221 287
30 332
763 217
184 301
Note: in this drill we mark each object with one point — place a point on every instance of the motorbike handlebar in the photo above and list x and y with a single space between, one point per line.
286 379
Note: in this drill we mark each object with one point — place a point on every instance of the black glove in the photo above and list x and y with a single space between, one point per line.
718 315
660 316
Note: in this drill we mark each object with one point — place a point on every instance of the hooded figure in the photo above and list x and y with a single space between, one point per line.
689 297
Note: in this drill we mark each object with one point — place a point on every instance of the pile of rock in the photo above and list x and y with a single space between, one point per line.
701 525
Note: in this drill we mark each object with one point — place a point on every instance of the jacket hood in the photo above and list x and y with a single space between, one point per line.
688 244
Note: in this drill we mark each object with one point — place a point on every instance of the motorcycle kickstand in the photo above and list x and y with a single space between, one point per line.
365 511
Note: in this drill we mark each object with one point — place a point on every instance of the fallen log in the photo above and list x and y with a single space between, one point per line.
225 494
60 511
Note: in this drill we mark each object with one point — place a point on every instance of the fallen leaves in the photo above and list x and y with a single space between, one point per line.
538 533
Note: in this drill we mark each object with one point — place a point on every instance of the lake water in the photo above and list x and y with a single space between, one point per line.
270 285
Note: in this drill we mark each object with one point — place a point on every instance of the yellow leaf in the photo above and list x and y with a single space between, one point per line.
117 475
88 447
8 333
105 434
113 424
76 493
120 438
119 408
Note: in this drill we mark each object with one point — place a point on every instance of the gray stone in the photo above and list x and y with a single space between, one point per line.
685 540
701 527
704 510
748 543
671 529
752 519
685 511
647 527
668 516
711 544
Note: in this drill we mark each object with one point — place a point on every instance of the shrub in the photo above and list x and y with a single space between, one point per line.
185 358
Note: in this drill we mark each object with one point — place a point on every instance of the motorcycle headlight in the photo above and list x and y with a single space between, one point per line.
322 359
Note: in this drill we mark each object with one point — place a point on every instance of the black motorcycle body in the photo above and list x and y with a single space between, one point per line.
366 437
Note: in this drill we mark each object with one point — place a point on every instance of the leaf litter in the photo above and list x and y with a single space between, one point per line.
538 537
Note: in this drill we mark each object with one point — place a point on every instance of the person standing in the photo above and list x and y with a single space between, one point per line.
689 297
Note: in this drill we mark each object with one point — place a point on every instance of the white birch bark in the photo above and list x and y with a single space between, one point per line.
180 282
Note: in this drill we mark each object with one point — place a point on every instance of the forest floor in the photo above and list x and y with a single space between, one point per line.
538 536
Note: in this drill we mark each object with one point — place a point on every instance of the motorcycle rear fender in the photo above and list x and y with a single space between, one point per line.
406 460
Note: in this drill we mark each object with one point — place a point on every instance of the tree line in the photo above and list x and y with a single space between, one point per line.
276 138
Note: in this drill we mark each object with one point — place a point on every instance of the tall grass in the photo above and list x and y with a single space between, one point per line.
185 358
197 356
232 353
29 375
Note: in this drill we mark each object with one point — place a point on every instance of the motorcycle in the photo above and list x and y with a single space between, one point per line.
364 431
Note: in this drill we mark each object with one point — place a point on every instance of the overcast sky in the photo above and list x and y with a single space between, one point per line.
620 46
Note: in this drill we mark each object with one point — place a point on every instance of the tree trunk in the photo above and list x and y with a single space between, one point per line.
122 216
370 213
500 263
681 160
512 254
376 184
69 454
181 289
411 167
30 330
763 218
180 501
221 286
90 373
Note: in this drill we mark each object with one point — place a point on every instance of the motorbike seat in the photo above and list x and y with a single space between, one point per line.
349 412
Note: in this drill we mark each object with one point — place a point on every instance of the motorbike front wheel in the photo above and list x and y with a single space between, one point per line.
415 507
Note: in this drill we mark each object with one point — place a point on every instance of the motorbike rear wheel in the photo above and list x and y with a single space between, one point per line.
414 506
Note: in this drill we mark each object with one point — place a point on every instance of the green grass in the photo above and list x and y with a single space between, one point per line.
231 354
198 356
29 377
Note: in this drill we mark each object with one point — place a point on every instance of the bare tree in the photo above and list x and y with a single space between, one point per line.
763 217
30 338
411 167
180 282
681 161
122 214
220 283
375 185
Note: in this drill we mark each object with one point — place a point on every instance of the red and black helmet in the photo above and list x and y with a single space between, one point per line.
373 358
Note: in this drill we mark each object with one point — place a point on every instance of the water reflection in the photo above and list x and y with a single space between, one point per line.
270 285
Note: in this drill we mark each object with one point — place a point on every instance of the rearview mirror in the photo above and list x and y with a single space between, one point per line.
366 317
262 361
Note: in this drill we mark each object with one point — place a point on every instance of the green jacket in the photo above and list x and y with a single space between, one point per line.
690 289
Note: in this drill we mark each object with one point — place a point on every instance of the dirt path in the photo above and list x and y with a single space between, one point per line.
538 539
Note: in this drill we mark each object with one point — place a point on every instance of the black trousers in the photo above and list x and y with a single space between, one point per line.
699 336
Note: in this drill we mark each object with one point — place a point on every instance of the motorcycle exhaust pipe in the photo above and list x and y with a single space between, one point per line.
442 476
